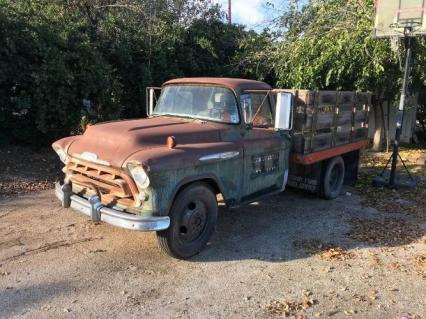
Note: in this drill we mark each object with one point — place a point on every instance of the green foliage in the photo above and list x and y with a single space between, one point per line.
329 45
63 63
256 56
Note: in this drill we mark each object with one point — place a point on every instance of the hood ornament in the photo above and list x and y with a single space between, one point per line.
171 142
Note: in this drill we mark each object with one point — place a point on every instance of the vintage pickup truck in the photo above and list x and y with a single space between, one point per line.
209 136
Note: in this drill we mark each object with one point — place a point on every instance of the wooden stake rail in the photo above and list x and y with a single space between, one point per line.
328 119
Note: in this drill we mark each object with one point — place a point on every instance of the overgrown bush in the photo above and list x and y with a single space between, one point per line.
67 62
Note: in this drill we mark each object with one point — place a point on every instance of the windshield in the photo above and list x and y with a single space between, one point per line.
196 101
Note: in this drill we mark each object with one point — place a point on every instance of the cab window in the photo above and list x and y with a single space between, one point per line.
257 109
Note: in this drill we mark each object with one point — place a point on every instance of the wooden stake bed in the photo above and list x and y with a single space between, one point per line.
328 123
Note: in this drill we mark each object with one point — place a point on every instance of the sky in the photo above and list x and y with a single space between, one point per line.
254 14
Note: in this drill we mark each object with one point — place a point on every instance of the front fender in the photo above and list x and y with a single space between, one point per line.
210 179
65 143
225 176
169 169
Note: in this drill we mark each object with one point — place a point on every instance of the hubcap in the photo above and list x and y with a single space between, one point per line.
193 221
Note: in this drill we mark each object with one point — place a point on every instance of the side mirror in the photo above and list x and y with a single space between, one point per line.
151 99
284 111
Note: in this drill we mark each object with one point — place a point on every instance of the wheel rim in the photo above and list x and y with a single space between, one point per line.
193 221
334 178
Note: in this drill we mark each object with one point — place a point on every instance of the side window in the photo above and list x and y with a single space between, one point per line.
261 110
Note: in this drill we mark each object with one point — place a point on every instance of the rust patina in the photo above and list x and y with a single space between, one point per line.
204 137
237 85
240 161
144 142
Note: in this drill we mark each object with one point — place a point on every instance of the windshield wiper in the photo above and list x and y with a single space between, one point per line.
176 115
163 114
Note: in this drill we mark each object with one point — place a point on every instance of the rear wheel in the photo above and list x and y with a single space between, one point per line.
332 178
192 221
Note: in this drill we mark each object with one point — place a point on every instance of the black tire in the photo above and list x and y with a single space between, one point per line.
332 178
193 219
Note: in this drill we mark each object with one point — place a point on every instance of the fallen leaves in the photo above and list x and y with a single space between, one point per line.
306 292
331 295
420 265
337 253
420 261
417 265
309 246
326 251
372 295
350 312
378 160
376 260
389 232
14 187
24 171
412 202
359 298
289 308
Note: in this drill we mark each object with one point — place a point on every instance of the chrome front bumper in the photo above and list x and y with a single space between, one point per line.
97 212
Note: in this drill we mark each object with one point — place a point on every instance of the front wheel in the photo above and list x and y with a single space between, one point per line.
332 178
192 221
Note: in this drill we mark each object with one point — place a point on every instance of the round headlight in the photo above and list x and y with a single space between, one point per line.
140 177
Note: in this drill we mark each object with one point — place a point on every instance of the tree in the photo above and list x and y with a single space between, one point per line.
328 44
64 63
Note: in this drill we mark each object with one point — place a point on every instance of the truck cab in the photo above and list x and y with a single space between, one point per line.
203 137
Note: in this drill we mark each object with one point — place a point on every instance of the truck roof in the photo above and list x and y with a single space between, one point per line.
231 83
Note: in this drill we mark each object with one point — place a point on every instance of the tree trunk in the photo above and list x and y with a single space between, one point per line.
384 126
378 126
388 140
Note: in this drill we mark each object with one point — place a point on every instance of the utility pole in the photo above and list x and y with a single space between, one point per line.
229 12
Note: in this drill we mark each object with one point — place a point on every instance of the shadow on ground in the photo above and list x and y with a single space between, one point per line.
18 301
273 228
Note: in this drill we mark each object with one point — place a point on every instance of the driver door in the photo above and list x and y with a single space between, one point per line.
264 147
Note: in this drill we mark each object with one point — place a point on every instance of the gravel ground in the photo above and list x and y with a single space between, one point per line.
287 255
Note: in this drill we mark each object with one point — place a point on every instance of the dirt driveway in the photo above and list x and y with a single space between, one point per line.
292 254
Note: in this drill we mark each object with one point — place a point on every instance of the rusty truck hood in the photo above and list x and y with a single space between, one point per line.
115 141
